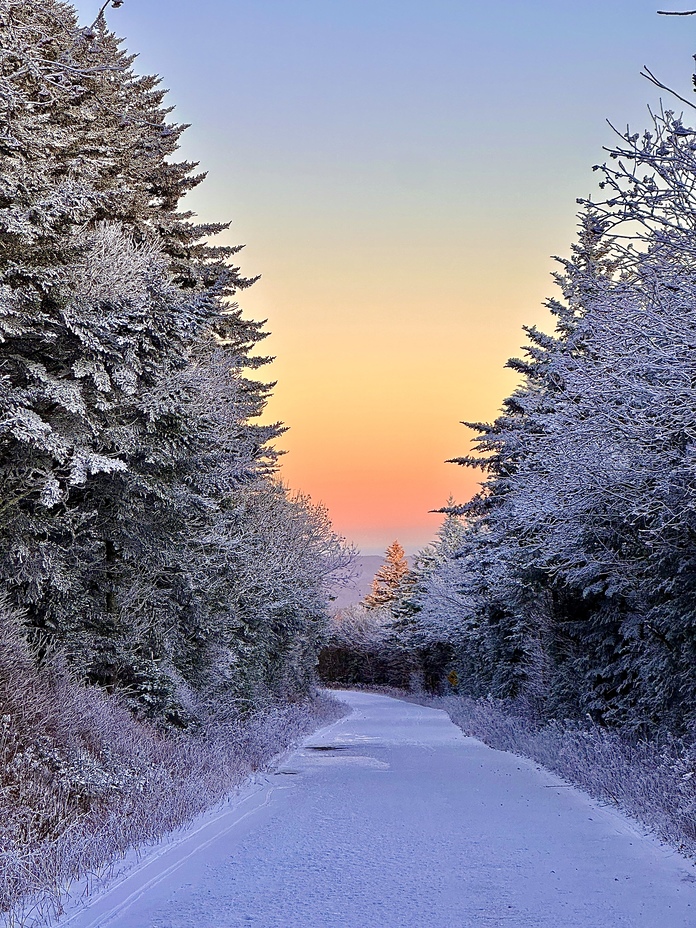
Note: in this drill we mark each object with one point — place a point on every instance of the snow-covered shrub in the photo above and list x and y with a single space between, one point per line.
269 559
82 780
363 647
654 781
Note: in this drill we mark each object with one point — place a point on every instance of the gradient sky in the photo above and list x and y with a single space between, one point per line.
401 173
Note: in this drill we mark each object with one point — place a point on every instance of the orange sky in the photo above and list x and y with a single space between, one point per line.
375 388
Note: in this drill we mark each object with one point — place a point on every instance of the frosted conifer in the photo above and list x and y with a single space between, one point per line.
388 578
126 420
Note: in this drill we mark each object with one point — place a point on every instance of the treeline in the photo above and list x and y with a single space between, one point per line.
162 596
569 581
574 584
363 645
145 539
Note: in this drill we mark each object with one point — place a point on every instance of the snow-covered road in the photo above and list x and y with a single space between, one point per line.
391 818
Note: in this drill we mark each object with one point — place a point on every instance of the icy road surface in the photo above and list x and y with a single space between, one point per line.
391 818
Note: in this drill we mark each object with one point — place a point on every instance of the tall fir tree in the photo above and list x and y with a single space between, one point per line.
127 431
389 577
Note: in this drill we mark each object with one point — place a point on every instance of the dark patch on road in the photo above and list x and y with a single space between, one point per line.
327 747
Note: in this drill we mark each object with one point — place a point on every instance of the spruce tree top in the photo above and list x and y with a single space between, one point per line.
84 140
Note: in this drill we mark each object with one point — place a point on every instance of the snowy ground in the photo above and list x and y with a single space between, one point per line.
391 818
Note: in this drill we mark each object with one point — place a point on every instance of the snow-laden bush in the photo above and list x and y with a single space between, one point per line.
363 647
82 780
653 781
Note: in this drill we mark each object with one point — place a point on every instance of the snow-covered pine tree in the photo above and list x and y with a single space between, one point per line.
495 592
388 578
117 332
565 626
608 488
578 587
428 612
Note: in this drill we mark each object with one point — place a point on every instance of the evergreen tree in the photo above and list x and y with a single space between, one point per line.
427 612
388 578
128 448
574 577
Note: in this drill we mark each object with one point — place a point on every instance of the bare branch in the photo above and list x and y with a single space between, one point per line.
668 13
647 73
